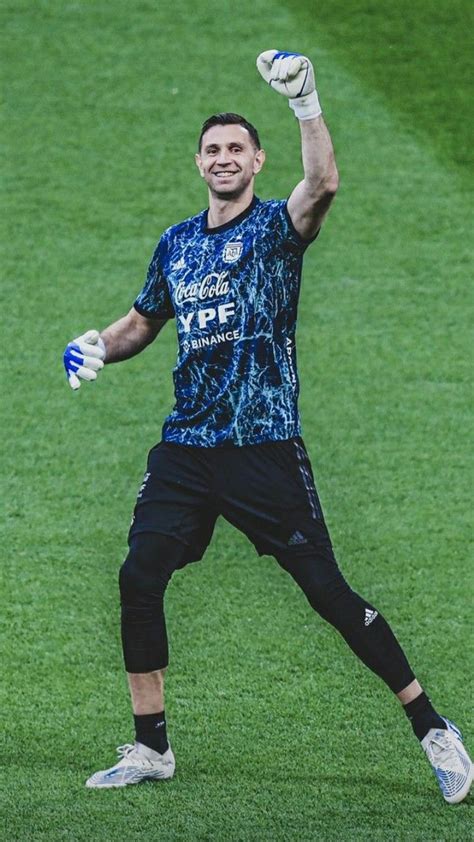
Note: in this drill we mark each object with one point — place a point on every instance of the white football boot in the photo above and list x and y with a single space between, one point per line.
137 763
450 761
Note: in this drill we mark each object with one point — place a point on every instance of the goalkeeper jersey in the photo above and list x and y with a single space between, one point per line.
233 291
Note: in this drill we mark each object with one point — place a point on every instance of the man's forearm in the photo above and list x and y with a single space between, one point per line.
128 336
86 355
319 164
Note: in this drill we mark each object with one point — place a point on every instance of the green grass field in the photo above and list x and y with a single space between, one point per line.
280 735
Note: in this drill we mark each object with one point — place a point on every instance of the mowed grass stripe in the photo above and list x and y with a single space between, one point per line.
414 53
279 733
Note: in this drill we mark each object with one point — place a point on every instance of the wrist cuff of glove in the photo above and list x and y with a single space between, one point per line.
100 343
306 107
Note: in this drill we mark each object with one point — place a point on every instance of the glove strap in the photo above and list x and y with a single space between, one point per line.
306 107
101 344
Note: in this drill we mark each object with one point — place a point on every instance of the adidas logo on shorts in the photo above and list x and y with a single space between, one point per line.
297 538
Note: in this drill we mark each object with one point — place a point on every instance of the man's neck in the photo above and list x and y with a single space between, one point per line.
222 211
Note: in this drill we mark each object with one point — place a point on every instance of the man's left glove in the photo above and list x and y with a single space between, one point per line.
292 75
83 358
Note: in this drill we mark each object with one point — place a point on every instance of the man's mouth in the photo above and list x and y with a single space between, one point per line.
225 173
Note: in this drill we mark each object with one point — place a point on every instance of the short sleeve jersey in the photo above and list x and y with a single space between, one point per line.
233 291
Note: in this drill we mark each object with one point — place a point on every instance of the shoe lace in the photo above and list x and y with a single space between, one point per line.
441 749
131 753
124 751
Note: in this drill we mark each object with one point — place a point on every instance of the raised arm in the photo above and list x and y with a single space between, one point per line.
312 197
292 75
86 355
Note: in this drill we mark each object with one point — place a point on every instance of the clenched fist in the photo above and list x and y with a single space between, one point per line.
292 75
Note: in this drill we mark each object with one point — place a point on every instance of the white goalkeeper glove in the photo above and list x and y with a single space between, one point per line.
83 358
292 75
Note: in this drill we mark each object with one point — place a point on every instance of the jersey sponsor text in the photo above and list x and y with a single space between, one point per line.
212 286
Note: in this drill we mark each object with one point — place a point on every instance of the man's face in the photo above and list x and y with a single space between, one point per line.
228 160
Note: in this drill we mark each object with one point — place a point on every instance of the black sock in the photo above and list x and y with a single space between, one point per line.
150 730
423 716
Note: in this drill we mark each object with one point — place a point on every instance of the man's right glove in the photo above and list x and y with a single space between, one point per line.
292 75
83 358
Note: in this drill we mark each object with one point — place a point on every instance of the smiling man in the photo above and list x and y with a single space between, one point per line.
232 446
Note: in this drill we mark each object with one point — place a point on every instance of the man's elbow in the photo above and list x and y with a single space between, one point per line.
325 188
330 183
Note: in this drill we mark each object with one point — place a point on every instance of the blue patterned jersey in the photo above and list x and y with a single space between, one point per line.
233 291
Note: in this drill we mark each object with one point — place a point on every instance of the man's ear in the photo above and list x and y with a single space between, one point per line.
198 161
259 161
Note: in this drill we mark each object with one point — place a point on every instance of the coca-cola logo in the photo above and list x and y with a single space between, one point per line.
212 286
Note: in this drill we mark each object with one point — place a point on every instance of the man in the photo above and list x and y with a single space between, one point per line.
230 277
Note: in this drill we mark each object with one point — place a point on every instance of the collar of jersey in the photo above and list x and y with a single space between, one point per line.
232 222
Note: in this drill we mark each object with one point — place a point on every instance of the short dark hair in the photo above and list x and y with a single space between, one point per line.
227 118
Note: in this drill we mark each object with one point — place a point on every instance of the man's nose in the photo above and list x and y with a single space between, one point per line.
224 157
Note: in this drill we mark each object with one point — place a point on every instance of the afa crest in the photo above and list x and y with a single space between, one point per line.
232 251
